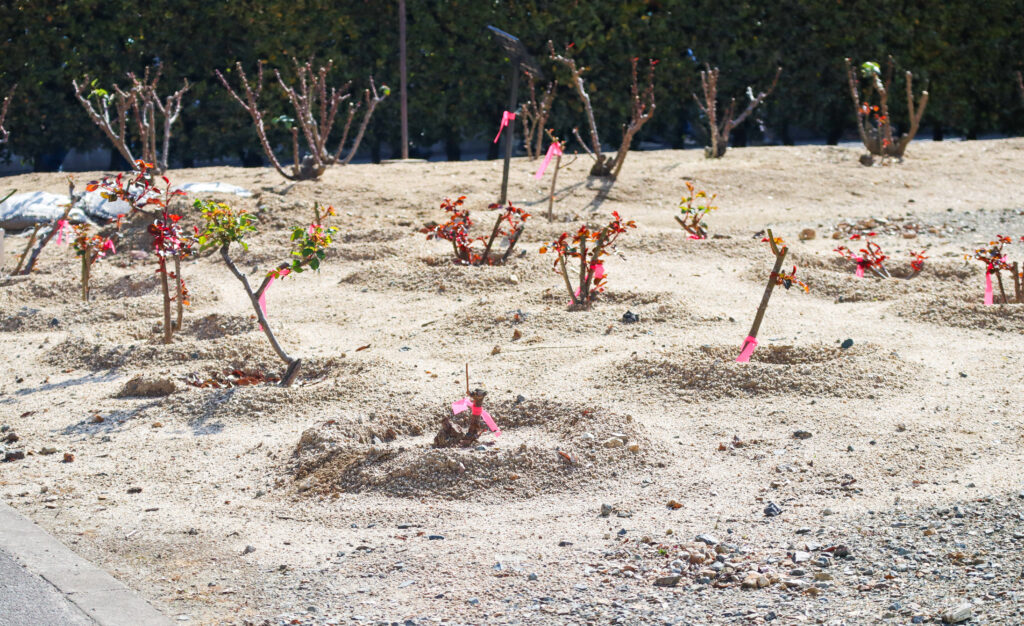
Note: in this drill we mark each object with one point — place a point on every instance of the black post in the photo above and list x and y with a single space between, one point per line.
510 131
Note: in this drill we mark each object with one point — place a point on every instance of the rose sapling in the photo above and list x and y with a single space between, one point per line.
694 208
226 226
89 248
509 225
590 247
994 259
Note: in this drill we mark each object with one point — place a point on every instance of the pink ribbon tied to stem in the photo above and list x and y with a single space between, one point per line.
108 246
506 117
860 267
748 349
598 275
988 288
555 149
467 403
62 225
263 296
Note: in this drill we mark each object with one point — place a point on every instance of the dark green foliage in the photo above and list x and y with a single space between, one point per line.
964 53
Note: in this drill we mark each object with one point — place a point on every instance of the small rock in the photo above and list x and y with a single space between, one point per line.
807 234
960 613
613 442
801 557
11 437
68 458
564 544
517 335
513 279
667 581
531 577
606 510
134 489
828 511
633 447
802 434
13 455
249 550
435 537
847 344
474 601
142 387
708 539
47 450
496 350
630 317
772 510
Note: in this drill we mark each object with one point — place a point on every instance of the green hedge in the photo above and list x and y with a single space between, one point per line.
964 52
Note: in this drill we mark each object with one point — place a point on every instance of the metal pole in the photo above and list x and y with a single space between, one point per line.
510 132
404 96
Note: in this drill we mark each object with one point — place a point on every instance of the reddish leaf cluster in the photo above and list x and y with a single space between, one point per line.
234 378
788 279
994 257
509 225
871 258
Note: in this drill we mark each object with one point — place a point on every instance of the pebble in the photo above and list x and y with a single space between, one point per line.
435 537
772 510
959 613
708 539
606 510
249 550
847 344
802 434
630 317
613 442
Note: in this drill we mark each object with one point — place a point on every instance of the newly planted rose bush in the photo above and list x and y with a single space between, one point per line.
995 259
90 249
694 207
589 247
142 191
872 259
469 250
226 226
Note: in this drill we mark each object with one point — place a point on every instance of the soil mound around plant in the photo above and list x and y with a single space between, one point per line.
545 448
861 371
217 325
79 352
968 312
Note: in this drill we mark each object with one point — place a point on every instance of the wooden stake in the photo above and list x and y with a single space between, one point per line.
1016 280
780 255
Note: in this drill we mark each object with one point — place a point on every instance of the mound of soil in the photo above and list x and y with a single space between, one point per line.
862 371
545 448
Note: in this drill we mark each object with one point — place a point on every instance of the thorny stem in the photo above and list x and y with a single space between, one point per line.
999 279
254 299
85 275
28 246
168 329
1016 274
179 296
73 199
512 243
490 240
551 197
568 285
780 255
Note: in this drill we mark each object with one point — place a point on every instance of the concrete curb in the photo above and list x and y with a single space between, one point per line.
92 590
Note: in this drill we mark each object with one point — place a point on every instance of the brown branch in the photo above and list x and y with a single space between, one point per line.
780 255
535 115
719 132
251 104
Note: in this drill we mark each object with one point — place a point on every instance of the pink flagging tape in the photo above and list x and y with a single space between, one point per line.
988 288
860 271
62 225
748 349
461 405
506 117
598 275
467 403
480 412
553 150
108 246
263 296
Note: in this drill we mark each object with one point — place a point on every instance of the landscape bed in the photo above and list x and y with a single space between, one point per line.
832 481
